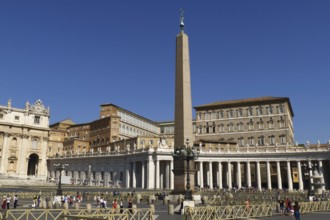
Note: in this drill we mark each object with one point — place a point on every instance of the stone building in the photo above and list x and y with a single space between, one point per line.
57 134
24 135
255 121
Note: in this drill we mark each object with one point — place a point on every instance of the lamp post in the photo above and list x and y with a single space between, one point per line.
60 167
186 153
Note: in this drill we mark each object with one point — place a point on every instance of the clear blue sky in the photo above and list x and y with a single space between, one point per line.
75 55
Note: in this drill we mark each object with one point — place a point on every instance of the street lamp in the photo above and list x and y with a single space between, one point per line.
186 153
60 167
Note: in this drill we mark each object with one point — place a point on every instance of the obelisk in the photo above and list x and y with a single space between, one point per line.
183 107
183 132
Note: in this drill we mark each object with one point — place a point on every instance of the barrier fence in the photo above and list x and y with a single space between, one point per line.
55 214
241 211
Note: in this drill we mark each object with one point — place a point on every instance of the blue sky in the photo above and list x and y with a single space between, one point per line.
75 55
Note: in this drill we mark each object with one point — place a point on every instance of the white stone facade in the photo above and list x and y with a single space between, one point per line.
216 167
24 140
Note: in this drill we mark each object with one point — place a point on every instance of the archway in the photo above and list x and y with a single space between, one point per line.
33 165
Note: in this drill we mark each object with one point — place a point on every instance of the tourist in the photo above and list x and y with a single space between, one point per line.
114 205
38 200
8 199
4 202
121 206
296 209
15 201
281 202
130 205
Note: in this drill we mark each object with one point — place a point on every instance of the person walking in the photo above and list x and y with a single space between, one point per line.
15 201
121 206
8 199
296 209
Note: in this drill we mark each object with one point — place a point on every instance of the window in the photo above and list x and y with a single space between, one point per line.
16 118
270 110
1 116
259 110
199 130
281 123
261 141
241 141
221 114
213 127
222 128
272 140
199 116
283 139
251 141
36 119
260 124
231 127
230 113
239 113
270 123
249 111
280 109
207 128
240 126
250 124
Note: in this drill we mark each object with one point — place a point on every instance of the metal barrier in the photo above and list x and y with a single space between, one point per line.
243 211
54 214
227 212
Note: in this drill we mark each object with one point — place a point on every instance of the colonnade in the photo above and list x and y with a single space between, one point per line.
259 174
155 172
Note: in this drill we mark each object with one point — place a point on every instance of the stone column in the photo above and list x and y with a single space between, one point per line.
127 179
248 174
157 186
279 178
239 177
106 179
300 175
211 175
220 175
134 175
142 175
151 173
201 173
289 176
171 175
167 175
269 177
321 169
230 183
258 176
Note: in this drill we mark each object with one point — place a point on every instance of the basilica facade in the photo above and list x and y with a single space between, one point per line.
24 137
